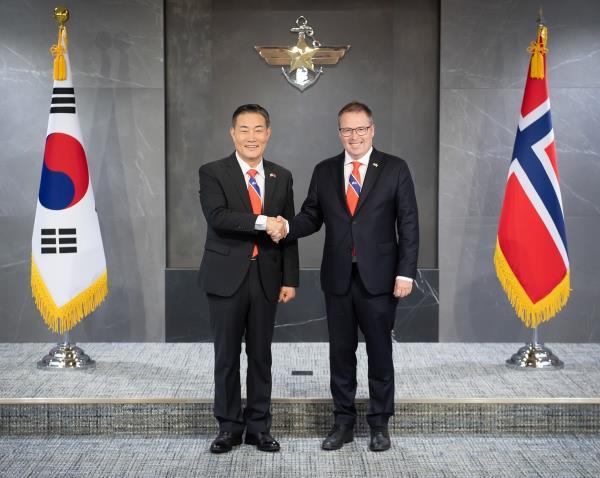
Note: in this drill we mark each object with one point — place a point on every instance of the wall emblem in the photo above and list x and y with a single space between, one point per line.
303 61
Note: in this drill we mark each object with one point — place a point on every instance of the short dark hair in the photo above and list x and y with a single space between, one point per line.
251 108
355 107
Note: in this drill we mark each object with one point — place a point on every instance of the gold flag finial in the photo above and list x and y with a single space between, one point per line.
61 15
538 49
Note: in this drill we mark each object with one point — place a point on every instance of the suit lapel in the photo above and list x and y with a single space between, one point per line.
338 179
240 181
270 186
376 165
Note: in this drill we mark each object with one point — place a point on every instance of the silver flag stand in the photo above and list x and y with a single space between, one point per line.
535 355
66 356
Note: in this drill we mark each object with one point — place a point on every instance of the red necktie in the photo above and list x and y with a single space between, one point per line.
353 191
254 193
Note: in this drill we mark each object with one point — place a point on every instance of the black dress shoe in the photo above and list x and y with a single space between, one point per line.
338 435
263 441
225 441
380 439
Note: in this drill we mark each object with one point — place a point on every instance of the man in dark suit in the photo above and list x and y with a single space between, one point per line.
366 200
245 274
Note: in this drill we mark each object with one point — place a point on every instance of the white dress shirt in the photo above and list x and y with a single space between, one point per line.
261 220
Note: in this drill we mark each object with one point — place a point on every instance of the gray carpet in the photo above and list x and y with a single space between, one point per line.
414 456
185 371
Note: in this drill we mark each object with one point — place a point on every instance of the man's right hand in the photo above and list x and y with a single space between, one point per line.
276 228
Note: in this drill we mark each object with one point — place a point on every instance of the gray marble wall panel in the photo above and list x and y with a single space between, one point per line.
415 110
116 51
212 68
189 114
483 67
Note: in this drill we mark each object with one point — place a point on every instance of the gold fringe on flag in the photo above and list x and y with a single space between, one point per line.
532 314
62 319
538 50
58 52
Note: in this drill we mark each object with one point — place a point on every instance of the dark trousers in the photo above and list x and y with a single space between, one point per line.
375 315
247 314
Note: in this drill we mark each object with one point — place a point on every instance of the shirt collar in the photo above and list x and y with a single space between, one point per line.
245 167
364 160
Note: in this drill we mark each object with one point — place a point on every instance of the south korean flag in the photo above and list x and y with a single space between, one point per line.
68 267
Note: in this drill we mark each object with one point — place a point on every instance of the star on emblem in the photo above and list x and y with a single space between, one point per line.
301 55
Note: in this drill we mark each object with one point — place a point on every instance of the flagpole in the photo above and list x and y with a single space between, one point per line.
75 303
66 355
535 355
534 297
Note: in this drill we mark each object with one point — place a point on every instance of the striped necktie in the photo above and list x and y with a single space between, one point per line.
353 191
254 193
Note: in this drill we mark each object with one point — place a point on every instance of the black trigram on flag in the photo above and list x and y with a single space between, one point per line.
63 100
66 244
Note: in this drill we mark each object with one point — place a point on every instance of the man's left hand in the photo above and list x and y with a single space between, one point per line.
402 288
286 294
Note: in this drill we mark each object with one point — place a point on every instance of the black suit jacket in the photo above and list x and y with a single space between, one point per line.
230 234
384 229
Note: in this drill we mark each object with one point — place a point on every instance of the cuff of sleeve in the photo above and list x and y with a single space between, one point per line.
404 278
261 223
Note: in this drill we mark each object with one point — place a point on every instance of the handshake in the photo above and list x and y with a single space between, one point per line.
277 228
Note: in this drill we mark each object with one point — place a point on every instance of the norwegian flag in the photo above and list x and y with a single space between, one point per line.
531 258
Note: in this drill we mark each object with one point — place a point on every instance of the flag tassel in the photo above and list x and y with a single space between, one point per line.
538 51
71 313
532 314
58 52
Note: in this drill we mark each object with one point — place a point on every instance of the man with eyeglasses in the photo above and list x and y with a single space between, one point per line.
366 199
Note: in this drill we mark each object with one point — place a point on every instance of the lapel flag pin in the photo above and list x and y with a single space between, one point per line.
272 175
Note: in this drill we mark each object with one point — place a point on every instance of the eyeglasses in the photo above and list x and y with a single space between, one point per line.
347 132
